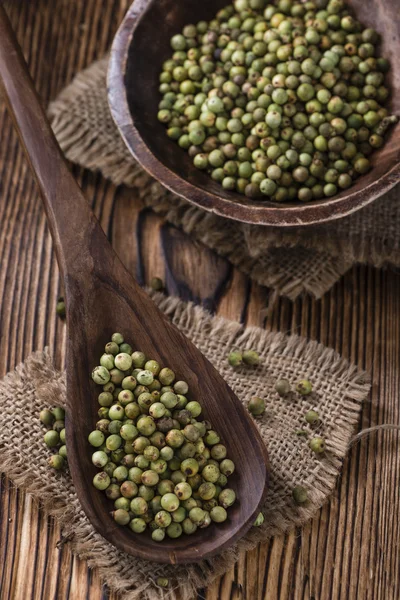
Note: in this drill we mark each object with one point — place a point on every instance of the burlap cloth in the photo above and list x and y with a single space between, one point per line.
339 391
303 260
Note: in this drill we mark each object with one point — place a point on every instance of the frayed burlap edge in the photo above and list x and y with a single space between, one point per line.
39 368
82 145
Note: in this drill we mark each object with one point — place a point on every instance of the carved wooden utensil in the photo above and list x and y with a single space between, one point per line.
102 297
139 50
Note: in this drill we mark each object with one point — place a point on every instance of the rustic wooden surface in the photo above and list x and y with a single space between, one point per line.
350 550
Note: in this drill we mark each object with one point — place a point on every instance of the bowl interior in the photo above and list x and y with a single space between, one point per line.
154 24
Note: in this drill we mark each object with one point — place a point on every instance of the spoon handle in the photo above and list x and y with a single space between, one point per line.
72 223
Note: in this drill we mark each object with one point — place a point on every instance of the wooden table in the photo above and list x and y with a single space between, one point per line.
350 550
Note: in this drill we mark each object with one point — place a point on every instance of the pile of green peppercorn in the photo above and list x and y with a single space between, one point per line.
278 100
54 437
165 470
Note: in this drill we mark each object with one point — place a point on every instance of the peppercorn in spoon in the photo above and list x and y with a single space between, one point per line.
101 298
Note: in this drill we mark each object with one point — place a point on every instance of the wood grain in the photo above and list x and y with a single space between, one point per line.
102 297
134 97
350 550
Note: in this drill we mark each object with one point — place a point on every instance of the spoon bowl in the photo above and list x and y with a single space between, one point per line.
141 46
120 305
101 298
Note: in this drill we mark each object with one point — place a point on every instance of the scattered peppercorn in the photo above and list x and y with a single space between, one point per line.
51 439
317 445
300 494
312 417
251 358
235 359
162 581
60 307
156 284
304 387
54 438
282 387
256 406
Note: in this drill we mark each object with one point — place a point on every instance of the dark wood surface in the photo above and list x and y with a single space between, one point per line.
349 551
102 297
134 97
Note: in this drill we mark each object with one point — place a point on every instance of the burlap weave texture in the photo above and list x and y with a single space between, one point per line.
339 391
308 260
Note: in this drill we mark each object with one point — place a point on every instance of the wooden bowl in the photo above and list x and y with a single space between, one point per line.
140 47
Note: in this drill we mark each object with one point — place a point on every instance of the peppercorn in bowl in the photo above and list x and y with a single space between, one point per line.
277 113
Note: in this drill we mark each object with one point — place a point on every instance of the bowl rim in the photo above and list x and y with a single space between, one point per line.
317 212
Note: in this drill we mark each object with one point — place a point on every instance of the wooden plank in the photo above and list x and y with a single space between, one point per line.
350 550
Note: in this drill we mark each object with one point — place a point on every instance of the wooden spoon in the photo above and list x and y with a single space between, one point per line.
102 297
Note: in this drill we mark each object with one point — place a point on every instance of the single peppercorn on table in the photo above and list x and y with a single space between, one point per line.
350 550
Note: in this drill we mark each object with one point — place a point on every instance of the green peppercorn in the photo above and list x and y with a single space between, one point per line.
96 438
304 387
194 408
101 481
317 445
146 425
129 489
251 357
116 412
100 375
227 467
256 406
170 502
218 514
99 459
158 535
235 359
163 519
107 361
47 417
211 473
138 359
60 308
197 515
312 417
183 490
109 468
139 506
121 516
283 387
138 525
189 466
300 494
